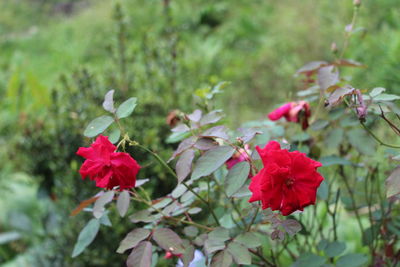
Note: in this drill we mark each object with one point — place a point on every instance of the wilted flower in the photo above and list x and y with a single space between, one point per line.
240 156
293 112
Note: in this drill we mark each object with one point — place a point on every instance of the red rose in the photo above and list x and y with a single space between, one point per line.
288 181
107 167
293 112
170 255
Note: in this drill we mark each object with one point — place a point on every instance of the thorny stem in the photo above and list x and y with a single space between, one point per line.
255 252
168 168
376 138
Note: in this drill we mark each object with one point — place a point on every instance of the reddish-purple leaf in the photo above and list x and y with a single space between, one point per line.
132 239
141 255
211 117
168 240
312 66
328 77
184 145
184 165
180 128
336 97
195 116
217 131
205 143
222 259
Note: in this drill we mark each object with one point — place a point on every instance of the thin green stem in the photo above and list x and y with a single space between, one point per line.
253 219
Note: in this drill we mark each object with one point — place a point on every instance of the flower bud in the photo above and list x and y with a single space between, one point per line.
357 2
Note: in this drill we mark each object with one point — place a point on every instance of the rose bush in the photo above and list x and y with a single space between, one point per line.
300 186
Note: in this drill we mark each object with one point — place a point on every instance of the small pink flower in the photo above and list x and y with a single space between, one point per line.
293 112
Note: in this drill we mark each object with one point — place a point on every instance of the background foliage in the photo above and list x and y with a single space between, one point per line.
60 57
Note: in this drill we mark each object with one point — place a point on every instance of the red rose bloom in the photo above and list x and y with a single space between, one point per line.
288 181
293 112
107 167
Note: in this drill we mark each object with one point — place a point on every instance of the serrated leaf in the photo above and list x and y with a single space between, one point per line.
205 144
211 161
327 77
334 249
352 260
222 259
194 210
291 226
180 128
123 203
98 208
184 145
168 240
161 203
236 177
248 239
108 103
393 183
386 97
176 137
210 246
240 253
311 66
195 116
212 117
126 108
141 216
97 126
377 91
141 256
184 165
132 239
86 236
336 97
217 131
219 234
179 191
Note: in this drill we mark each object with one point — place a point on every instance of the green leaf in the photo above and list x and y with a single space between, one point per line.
211 245
123 202
7 237
219 234
352 260
188 255
249 240
126 108
132 239
191 231
370 234
323 190
361 141
86 236
393 183
222 259
176 137
98 208
319 124
211 160
240 253
291 226
377 91
114 136
141 256
97 126
333 160
309 260
168 240
236 177
334 249
386 97
334 138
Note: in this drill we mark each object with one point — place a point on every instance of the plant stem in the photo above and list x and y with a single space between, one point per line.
253 219
166 166
376 138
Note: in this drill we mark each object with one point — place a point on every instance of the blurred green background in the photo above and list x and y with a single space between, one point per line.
58 58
